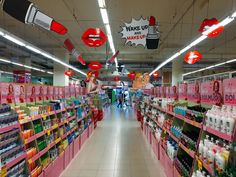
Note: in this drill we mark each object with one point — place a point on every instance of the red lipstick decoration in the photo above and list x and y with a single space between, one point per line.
95 65
153 35
94 37
155 75
207 23
69 73
112 59
192 57
58 28
71 48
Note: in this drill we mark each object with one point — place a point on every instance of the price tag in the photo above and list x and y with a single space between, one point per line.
44 116
26 141
3 171
32 117
199 164
54 126
30 161
164 131
48 133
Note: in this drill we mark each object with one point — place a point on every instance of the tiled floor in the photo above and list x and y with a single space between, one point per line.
116 149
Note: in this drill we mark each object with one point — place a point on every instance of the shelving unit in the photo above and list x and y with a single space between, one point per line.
151 117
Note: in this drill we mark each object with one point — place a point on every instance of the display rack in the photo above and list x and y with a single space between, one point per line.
50 134
149 114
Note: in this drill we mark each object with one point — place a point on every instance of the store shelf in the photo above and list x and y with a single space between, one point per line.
37 156
8 128
188 151
34 137
206 166
71 118
173 137
196 124
219 134
15 161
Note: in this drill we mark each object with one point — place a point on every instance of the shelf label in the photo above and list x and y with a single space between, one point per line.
44 116
30 161
199 164
26 141
48 133
32 117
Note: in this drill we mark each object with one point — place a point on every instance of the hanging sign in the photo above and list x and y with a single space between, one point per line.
162 92
39 92
19 93
173 92
183 91
229 86
61 92
193 93
7 93
167 92
30 93
94 37
67 91
211 93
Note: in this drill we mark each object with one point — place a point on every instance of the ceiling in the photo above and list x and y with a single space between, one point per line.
178 21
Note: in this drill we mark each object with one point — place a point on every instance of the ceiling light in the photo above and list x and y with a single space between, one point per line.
33 49
50 72
210 67
234 15
28 67
3 60
14 40
1 33
101 3
18 64
108 29
104 16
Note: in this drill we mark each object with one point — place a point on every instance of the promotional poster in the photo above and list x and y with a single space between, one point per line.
19 90
183 91
30 93
229 86
193 93
7 93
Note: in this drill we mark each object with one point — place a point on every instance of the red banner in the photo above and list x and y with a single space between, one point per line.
211 93
193 93
183 91
229 86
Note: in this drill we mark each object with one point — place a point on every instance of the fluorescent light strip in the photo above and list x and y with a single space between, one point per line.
105 19
224 22
210 67
35 49
25 66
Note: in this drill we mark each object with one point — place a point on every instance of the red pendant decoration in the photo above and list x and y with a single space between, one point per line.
69 73
192 57
94 37
207 23
132 75
155 75
116 78
95 65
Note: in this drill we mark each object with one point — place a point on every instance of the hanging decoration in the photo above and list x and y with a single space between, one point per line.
95 65
26 12
71 48
116 78
69 73
155 75
132 75
112 59
141 32
94 37
207 23
192 57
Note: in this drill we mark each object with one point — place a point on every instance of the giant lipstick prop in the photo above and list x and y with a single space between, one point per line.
153 35
26 12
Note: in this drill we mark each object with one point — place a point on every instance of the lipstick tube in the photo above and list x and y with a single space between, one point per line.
26 12
112 59
71 48
152 39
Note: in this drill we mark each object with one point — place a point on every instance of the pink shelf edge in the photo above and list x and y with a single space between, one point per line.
188 151
8 128
218 133
16 160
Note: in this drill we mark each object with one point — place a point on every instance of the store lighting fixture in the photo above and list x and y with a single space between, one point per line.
210 67
25 66
32 48
105 19
224 22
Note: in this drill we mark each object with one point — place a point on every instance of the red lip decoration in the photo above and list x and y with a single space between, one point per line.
207 23
193 57
155 75
132 75
94 37
116 78
69 73
95 65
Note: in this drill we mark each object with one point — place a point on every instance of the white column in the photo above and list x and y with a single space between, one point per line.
59 78
177 71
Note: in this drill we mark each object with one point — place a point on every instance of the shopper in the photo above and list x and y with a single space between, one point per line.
120 100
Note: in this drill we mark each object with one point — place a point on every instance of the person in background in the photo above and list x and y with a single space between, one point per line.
120 100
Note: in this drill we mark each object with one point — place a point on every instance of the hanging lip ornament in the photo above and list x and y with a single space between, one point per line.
116 78
192 57
94 37
95 65
207 23
69 73
155 75
132 75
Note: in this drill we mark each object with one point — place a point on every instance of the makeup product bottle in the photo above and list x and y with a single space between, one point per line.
152 39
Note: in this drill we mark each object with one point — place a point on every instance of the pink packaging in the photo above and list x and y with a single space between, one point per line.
183 91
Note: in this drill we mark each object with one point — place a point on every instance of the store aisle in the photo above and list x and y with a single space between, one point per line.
116 149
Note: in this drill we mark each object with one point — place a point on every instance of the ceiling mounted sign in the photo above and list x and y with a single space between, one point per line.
95 65
155 75
207 23
69 73
94 37
192 57
141 32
